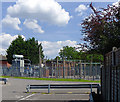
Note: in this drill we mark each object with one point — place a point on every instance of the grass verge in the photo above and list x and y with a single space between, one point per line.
5 76
53 79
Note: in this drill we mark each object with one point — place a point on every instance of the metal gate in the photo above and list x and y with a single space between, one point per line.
111 76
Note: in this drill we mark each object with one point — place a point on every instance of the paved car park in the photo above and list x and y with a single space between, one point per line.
15 89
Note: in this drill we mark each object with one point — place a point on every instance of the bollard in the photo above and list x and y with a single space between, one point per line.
48 88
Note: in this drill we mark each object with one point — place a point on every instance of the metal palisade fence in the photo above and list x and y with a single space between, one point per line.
74 69
58 69
111 76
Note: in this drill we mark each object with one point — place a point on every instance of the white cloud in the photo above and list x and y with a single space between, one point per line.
51 49
42 10
11 22
2 51
32 24
5 41
117 4
80 9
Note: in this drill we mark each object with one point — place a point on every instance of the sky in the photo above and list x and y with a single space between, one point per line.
54 24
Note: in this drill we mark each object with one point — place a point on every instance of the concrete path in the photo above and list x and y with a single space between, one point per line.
15 89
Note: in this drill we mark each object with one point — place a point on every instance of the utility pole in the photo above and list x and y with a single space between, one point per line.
80 70
74 68
52 68
57 68
91 67
63 67
40 61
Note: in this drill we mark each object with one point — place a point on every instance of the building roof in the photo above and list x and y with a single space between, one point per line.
3 58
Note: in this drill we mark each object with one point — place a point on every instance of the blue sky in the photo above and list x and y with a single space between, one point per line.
52 35
71 31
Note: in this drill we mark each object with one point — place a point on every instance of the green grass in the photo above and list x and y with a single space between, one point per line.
5 76
53 79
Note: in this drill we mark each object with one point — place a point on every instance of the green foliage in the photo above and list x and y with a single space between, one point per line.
29 49
58 58
32 51
102 29
70 53
15 48
94 57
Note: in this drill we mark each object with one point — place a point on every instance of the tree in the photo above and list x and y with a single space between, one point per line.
94 57
57 57
33 50
101 29
29 49
68 53
17 47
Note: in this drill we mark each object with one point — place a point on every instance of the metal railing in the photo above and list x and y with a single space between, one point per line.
63 86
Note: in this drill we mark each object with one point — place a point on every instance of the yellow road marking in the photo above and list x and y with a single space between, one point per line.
87 92
69 92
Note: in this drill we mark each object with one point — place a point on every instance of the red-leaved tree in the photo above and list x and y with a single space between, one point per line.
102 29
